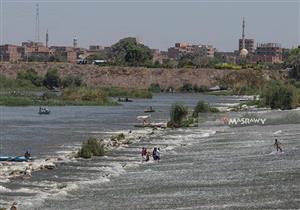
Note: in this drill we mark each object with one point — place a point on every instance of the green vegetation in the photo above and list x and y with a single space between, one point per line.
154 88
71 81
203 107
278 95
91 147
128 52
246 82
52 79
294 62
228 66
118 137
32 76
31 89
69 96
84 94
178 113
193 88
181 117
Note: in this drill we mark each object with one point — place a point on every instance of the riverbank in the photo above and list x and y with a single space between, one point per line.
135 77
75 96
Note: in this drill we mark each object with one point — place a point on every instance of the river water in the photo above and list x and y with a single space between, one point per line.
213 166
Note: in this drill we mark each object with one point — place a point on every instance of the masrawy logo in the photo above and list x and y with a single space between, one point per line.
243 121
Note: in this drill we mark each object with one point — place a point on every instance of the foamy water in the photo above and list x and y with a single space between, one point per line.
209 167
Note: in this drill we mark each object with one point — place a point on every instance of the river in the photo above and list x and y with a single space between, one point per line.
213 166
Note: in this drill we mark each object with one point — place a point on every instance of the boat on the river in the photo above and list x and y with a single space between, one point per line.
150 109
15 159
44 110
124 100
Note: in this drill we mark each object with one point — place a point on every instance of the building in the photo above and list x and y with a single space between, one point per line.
159 56
269 53
183 48
205 51
95 48
68 52
34 48
249 45
10 53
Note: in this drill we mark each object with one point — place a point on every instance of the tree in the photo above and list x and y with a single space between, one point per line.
71 80
101 55
52 79
129 52
294 62
32 76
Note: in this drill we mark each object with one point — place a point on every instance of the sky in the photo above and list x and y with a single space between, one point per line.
159 23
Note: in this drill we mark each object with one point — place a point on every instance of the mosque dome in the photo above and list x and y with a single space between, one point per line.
243 52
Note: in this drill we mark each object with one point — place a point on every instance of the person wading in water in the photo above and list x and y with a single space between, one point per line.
277 144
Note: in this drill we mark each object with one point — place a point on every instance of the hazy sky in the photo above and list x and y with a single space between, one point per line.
159 23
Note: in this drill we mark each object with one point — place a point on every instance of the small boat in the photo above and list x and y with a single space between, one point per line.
124 100
5 158
15 159
149 110
44 111
21 159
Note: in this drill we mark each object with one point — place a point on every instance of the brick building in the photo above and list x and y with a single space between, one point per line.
10 53
269 53
182 49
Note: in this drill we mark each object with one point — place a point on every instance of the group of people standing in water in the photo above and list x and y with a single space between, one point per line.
146 154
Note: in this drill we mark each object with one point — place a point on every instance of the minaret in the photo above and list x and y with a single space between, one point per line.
243 34
37 23
47 38
244 51
75 42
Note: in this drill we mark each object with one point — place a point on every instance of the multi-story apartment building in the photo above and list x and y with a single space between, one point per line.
182 49
68 52
10 53
95 48
249 45
269 53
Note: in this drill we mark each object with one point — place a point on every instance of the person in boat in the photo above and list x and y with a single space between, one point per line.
27 155
277 145
126 99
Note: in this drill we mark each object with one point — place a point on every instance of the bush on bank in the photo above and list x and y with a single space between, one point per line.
203 107
91 147
178 113
277 95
